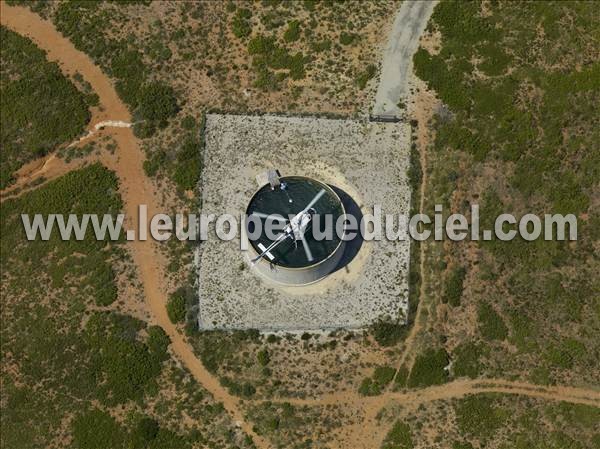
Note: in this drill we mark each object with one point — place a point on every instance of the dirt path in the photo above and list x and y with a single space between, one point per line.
52 166
369 433
457 389
403 41
135 189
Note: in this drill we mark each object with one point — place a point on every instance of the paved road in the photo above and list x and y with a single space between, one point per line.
397 59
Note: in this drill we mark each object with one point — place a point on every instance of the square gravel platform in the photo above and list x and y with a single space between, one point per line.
365 161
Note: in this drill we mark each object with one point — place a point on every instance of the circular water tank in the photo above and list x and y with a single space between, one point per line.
294 261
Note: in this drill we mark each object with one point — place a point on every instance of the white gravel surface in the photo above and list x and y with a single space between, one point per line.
368 161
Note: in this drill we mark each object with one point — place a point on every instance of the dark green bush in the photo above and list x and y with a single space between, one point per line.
479 415
143 130
491 324
97 430
188 123
240 25
454 286
293 31
466 360
188 167
146 429
364 77
176 308
157 102
158 342
401 377
399 437
428 369
263 357
388 333
383 375
347 38
372 386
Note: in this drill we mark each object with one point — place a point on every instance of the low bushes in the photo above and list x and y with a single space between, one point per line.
454 286
363 78
176 308
399 437
388 333
41 108
428 369
372 386
491 324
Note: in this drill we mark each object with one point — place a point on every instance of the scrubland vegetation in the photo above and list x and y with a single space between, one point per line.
495 420
172 60
75 366
519 136
41 109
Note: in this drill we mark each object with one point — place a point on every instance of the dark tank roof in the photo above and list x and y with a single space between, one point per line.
298 191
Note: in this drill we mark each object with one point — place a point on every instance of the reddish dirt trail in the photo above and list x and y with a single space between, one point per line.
369 433
457 389
135 189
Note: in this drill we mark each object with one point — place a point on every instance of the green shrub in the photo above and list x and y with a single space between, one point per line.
263 357
462 445
495 60
399 437
240 26
368 388
158 342
454 286
383 375
466 360
261 45
321 46
401 377
388 333
157 102
146 429
372 386
123 363
246 389
143 130
176 309
415 171
188 123
364 77
97 430
479 415
153 164
347 38
40 108
267 54
293 31
565 353
428 369
188 166
491 324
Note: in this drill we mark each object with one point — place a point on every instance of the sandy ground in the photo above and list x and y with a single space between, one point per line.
397 60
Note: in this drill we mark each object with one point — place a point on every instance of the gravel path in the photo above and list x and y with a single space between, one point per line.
397 59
